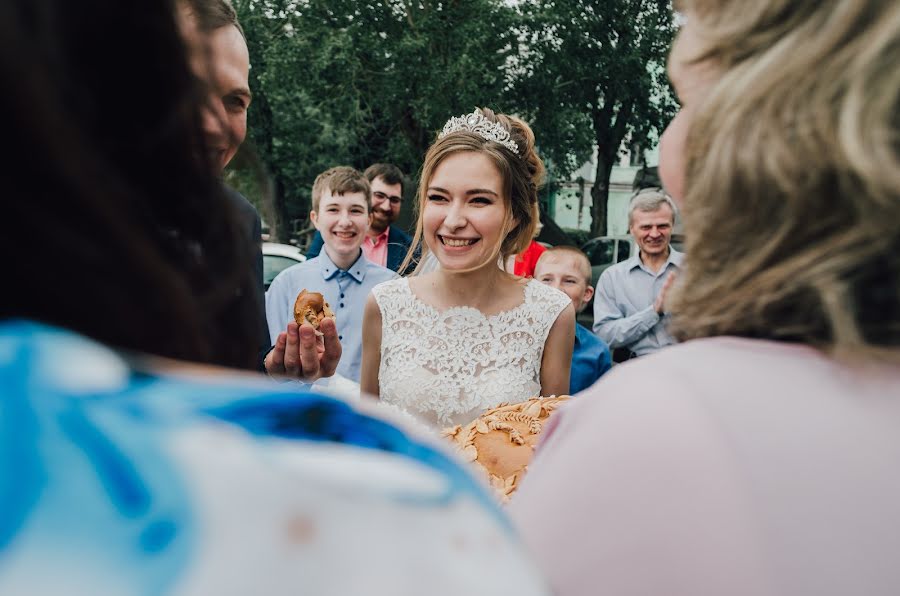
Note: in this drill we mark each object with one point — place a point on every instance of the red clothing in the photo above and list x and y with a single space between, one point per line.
527 260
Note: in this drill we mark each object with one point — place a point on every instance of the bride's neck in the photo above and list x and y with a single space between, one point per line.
472 288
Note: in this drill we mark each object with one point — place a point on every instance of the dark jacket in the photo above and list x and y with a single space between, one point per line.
398 245
252 229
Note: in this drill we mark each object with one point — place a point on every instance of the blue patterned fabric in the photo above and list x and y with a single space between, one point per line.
115 480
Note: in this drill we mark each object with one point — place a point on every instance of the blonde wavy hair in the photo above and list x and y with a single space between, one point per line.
522 174
792 201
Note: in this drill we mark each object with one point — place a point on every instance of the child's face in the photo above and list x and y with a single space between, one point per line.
566 273
343 221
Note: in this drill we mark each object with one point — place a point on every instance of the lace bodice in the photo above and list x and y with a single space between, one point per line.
447 367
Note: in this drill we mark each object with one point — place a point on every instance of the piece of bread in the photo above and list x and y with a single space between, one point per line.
311 307
501 441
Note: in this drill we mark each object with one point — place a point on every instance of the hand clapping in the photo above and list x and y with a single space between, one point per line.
659 305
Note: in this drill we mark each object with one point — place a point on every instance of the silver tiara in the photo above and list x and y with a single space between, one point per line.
477 123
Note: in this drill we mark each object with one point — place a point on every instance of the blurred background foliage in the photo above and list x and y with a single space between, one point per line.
357 82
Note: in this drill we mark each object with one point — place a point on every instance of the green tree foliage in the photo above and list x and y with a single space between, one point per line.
348 82
592 74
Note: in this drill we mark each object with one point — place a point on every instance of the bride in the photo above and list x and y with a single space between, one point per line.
448 344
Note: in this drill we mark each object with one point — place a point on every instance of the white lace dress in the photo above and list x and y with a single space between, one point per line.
448 367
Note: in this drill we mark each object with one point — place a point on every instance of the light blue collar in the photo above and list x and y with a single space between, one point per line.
357 270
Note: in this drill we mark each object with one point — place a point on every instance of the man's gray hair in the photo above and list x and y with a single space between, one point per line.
649 199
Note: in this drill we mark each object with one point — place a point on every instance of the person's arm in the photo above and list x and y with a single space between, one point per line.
604 362
610 323
259 287
556 363
371 349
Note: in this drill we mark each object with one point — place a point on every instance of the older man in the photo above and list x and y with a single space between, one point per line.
630 299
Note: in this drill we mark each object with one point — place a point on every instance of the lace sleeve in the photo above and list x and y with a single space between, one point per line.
552 301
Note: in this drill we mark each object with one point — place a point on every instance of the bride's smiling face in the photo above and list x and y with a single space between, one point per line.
464 219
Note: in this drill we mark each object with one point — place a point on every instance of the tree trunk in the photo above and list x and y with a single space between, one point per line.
265 185
414 132
279 226
600 195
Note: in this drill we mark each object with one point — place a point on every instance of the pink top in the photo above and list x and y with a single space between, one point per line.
377 251
721 466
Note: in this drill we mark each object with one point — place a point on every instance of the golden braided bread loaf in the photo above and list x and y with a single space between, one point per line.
501 441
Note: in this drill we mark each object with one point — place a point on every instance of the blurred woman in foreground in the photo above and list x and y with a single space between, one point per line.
760 456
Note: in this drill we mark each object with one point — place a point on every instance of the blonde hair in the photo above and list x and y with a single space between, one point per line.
339 180
584 264
792 200
522 175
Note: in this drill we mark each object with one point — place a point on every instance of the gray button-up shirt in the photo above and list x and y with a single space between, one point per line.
623 305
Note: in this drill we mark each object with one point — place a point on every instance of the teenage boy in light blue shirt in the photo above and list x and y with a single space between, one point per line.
341 212
568 269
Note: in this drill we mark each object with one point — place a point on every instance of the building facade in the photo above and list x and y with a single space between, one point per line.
570 205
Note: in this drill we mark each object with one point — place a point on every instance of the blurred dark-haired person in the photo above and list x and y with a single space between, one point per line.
759 455
127 464
385 244
220 59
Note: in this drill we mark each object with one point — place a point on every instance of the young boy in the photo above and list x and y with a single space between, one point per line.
341 212
568 269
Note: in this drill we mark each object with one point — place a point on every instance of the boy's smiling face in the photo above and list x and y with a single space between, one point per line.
566 272
343 221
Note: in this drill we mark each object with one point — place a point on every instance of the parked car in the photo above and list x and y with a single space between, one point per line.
605 251
277 258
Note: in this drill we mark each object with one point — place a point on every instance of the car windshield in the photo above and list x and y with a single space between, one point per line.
601 253
275 264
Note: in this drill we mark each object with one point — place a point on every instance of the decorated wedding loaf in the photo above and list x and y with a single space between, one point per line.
501 441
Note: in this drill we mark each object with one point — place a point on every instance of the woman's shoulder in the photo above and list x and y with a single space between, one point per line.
747 371
394 286
545 296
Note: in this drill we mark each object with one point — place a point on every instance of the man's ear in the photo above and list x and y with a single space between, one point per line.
313 217
588 293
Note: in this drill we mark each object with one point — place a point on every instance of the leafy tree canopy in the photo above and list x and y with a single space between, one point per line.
591 75
357 82
346 82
